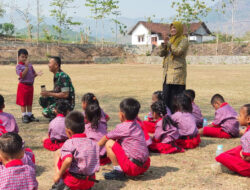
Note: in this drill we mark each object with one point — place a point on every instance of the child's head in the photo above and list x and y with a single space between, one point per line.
93 114
157 96
11 147
129 109
88 98
158 109
190 93
62 107
1 102
22 55
244 116
217 100
74 122
182 103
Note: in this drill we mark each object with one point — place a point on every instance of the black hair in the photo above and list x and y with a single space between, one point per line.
247 106
130 107
182 103
159 95
217 98
1 101
22 51
93 114
89 98
190 93
75 122
160 108
11 144
62 107
57 60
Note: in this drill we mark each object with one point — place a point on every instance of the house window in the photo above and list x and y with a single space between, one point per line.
141 38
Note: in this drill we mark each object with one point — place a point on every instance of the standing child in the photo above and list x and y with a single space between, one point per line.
14 174
149 124
238 158
78 157
166 132
57 134
196 110
25 90
126 146
189 137
225 124
89 98
8 120
95 128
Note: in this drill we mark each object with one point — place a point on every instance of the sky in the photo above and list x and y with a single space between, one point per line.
128 8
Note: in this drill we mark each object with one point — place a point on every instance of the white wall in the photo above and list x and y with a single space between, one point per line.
139 31
208 38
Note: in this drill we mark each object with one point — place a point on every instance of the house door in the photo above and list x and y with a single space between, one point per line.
154 41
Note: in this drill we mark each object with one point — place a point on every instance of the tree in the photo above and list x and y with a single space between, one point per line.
39 19
60 14
2 11
122 27
7 29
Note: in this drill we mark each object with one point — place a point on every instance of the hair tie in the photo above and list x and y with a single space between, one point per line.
94 98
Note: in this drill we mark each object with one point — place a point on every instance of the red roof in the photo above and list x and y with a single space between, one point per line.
164 29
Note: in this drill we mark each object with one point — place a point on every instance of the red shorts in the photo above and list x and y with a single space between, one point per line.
128 167
215 132
74 183
149 126
104 161
233 161
24 95
189 143
164 148
52 146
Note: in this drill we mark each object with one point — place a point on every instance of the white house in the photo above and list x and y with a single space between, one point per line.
145 33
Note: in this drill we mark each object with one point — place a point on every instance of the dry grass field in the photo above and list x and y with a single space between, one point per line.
112 83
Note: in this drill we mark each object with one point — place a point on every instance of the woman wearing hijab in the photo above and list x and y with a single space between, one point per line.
174 64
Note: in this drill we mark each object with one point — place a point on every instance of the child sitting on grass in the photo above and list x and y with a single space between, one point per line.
126 146
225 124
238 158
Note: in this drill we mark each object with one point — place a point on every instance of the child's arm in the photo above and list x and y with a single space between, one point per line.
65 165
246 158
103 141
25 71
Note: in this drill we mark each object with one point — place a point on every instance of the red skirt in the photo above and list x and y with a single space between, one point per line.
149 126
215 132
145 131
104 161
233 161
189 143
24 95
128 167
165 148
74 183
52 146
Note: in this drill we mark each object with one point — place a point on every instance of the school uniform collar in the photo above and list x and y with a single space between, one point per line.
248 128
14 163
21 63
128 121
82 135
223 104
60 115
1 111
159 120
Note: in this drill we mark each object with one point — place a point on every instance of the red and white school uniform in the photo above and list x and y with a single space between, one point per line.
189 137
130 148
146 135
197 115
9 122
96 135
16 175
149 125
25 88
232 158
85 154
225 123
164 140
2 129
57 134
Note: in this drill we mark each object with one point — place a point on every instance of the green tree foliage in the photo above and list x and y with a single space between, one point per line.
59 12
7 29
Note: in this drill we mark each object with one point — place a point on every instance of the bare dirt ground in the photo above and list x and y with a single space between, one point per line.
112 83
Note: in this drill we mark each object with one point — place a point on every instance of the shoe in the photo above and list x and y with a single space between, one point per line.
33 119
115 175
25 119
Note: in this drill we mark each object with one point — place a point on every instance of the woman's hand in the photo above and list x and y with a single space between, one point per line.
45 93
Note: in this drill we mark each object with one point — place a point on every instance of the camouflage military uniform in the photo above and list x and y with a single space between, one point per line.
62 83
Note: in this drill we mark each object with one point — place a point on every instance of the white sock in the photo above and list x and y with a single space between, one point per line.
29 113
24 113
117 168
